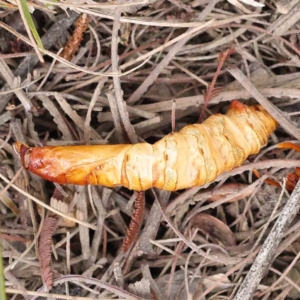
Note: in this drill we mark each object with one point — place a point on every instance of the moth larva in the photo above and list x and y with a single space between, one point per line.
195 155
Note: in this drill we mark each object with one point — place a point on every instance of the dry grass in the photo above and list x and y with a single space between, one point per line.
159 56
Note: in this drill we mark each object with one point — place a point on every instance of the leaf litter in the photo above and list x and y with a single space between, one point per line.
135 72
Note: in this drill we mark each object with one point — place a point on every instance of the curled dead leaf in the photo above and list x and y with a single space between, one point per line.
214 227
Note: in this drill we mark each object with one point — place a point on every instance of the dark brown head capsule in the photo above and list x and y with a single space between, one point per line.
23 152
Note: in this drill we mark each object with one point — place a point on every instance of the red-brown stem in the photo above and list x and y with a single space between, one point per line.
211 91
136 221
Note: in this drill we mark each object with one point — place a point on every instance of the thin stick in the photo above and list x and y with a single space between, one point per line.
267 252
129 129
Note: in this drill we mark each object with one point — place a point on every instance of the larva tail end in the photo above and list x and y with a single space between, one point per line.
23 151
237 106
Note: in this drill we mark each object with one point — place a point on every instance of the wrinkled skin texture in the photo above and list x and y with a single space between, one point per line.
191 157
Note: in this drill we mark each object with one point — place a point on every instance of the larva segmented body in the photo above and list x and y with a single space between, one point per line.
195 155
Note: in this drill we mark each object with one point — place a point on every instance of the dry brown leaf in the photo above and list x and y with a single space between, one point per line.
214 227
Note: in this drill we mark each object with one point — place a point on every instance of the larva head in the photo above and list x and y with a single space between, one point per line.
24 152
42 162
237 106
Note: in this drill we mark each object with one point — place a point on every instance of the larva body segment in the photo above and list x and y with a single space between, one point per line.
191 157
